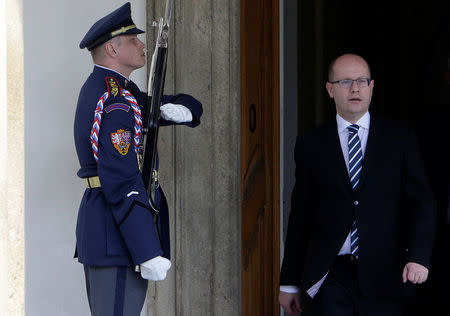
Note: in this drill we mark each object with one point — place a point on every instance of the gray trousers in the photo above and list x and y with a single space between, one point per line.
115 291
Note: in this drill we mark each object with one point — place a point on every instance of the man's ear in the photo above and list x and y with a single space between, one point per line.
329 87
110 49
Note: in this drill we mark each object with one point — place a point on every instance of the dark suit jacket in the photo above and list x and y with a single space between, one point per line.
393 206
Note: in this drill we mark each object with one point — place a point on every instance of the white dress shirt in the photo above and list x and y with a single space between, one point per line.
363 133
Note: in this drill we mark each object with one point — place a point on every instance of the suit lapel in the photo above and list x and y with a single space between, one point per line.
368 154
337 156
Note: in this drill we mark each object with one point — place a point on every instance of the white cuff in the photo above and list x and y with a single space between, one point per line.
289 288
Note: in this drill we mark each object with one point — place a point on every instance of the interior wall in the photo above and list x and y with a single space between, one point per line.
290 104
55 69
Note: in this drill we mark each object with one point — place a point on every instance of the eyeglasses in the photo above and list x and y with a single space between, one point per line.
347 83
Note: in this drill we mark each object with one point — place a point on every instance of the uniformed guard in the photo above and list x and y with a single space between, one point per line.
115 231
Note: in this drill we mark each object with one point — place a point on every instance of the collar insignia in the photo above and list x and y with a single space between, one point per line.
114 88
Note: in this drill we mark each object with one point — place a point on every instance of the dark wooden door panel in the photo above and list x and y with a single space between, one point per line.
259 157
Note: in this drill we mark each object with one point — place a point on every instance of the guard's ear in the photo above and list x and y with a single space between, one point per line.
110 49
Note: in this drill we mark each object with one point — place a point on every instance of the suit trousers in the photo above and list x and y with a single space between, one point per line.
339 295
115 291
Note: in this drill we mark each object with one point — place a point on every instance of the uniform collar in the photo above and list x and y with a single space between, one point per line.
123 81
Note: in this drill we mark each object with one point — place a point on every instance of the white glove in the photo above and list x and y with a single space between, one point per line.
176 113
155 269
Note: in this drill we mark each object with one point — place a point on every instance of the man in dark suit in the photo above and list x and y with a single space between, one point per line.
362 221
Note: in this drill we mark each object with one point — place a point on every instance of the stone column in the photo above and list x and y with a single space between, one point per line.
200 167
12 245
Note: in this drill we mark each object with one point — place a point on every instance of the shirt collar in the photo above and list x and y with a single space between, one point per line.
363 122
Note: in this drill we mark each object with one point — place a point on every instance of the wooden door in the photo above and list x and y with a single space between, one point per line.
260 182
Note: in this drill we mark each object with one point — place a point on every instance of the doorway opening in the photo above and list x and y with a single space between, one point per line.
408 50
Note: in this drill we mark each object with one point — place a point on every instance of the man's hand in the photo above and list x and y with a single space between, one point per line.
176 113
414 272
290 302
155 269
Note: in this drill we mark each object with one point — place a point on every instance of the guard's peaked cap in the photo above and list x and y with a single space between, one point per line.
116 23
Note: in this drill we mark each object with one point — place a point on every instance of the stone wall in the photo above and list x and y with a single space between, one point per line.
200 167
12 248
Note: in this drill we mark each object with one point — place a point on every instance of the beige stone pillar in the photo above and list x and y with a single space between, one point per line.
12 249
199 167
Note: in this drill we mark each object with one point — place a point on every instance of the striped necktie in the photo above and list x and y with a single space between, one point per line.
355 159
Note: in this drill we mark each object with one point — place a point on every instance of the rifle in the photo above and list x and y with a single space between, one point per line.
151 120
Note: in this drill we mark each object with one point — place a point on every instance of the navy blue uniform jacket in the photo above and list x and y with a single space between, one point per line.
115 226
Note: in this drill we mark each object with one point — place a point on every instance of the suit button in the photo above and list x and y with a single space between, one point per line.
355 202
